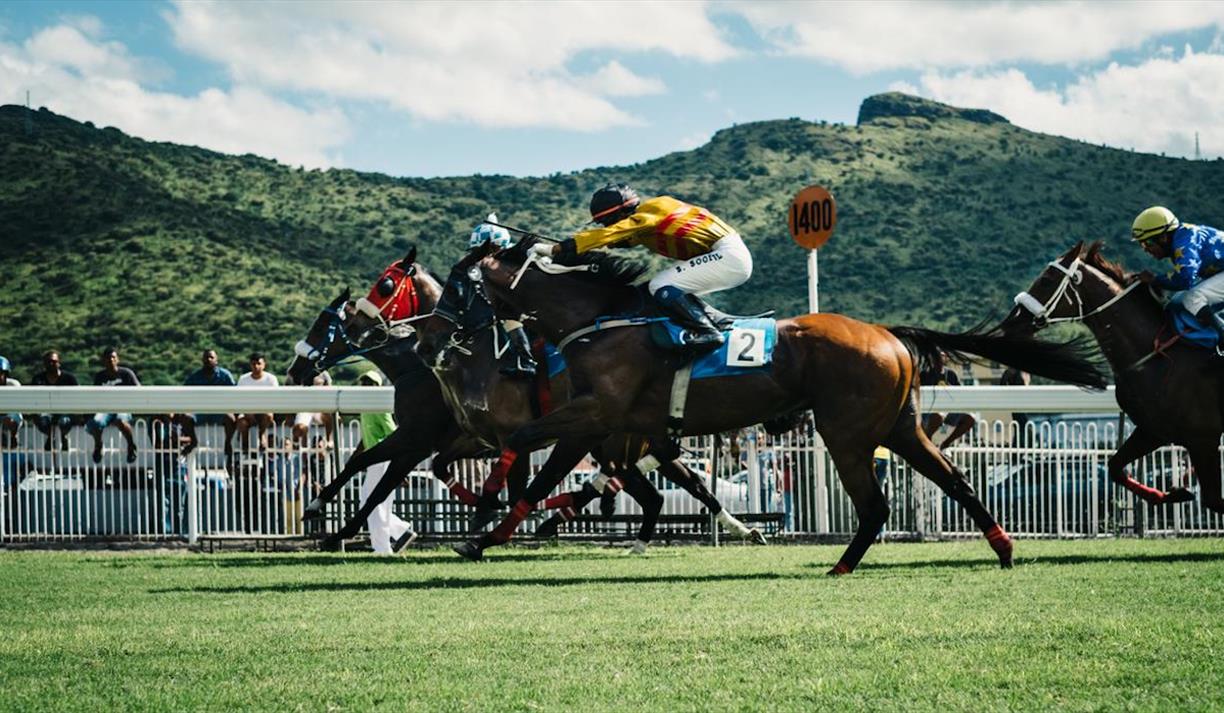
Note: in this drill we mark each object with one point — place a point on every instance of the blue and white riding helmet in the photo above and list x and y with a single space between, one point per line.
485 233
5 366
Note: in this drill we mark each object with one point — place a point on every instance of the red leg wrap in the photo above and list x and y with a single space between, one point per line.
563 500
842 568
614 485
503 532
497 476
1000 542
460 491
1151 495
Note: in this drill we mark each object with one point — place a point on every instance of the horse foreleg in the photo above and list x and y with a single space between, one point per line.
565 456
1206 461
382 451
397 470
647 496
441 470
567 505
1138 444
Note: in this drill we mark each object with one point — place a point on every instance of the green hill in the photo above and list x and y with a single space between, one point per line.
162 249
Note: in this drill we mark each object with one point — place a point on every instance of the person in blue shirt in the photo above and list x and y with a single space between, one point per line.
1197 254
209 374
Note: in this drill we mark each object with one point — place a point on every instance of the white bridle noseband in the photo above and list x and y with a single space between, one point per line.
1072 275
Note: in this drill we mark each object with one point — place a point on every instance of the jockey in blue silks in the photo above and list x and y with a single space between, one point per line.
1197 253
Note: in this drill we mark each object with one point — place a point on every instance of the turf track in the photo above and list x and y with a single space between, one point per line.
1119 624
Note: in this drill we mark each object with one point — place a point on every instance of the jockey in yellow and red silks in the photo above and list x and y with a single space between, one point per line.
708 254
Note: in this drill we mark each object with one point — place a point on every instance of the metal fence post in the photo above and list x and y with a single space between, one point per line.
822 485
714 463
193 501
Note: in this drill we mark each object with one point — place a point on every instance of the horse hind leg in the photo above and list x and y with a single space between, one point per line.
854 469
1138 444
680 474
909 441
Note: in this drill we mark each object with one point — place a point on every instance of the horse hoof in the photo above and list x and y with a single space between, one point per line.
638 548
470 551
481 518
331 543
309 514
548 529
1178 495
756 537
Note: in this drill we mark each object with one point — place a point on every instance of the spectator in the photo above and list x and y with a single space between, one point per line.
209 374
9 422
257 377
938 374
303 421
1015 377
112 375
786 485
53 374
388 533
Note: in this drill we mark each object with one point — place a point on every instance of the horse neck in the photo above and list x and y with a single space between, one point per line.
559 306
1125 331
428 290
395 357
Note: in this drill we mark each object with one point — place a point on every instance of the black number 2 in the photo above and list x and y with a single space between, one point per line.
749 343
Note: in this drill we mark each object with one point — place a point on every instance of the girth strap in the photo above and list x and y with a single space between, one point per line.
679 396
604 324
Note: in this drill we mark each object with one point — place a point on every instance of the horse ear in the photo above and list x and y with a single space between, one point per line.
1075 251
341 299
409 258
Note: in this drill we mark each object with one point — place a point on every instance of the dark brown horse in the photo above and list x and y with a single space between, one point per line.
858 379
452 414
1174 392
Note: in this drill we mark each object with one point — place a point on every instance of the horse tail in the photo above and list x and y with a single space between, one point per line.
1073 361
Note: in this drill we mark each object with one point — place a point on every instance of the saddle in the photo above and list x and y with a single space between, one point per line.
665 332
1192 330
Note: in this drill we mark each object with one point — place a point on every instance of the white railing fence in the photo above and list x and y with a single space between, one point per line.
1047 479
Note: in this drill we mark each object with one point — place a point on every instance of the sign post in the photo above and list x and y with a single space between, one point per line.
813 215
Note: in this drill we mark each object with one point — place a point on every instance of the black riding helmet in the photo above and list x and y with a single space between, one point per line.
613 202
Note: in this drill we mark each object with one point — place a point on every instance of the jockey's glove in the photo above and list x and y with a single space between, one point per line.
542 249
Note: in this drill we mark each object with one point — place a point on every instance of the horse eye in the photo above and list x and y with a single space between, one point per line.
386 287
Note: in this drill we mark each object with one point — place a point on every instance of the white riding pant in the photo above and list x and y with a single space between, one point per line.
728 265
1207 292
385 527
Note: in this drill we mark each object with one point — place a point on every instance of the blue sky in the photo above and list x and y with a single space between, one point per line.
426 89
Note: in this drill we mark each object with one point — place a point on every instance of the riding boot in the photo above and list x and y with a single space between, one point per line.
689 312
517 359
1212 317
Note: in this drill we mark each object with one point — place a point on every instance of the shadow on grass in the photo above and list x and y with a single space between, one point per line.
474 583
1134 558
441 556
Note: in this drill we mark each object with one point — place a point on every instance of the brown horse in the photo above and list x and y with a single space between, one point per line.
858 379
1172 391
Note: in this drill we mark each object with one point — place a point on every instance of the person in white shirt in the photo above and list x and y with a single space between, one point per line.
258 376
9 422
303 421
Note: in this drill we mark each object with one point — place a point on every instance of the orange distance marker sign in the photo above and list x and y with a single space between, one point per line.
813 215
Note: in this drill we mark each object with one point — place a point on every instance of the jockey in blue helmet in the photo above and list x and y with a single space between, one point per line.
517 359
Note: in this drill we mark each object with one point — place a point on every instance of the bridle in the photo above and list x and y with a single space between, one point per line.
1073 275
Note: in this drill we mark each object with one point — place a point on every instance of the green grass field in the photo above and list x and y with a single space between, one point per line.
1111 625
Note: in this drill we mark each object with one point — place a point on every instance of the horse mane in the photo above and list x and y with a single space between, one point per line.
1111 269
608 269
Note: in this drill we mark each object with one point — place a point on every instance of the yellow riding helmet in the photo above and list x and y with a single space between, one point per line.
1152 222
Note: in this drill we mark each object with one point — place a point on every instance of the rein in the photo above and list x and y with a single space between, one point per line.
1072 276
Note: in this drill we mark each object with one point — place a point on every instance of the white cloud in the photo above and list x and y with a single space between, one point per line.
1154 106
494 64
615 80
69 69
866 37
